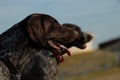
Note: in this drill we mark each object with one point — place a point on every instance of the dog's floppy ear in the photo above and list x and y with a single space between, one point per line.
36 30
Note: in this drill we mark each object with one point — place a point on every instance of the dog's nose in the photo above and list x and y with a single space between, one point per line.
88 37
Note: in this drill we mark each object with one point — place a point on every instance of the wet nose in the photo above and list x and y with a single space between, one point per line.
88 37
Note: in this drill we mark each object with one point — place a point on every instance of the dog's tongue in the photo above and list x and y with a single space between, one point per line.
60 58
65 50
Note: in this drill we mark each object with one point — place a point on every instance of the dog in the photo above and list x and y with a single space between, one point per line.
26 42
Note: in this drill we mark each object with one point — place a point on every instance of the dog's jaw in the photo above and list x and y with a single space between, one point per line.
59 47
58 50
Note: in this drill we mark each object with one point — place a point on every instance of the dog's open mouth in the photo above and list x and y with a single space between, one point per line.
61 49
58 50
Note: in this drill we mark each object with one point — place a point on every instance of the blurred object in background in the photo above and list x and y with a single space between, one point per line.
112 45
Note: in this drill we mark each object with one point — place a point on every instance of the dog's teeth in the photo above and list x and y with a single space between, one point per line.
50 42
53 44
56 47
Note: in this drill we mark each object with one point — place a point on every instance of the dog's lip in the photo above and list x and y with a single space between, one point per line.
61 49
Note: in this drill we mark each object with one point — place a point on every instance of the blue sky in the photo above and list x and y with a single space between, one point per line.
101 17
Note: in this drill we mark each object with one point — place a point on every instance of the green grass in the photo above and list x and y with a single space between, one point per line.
84 66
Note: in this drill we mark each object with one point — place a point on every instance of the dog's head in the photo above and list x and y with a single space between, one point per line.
46 32
78 39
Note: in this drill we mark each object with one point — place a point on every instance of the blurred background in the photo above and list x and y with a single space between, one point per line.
101 59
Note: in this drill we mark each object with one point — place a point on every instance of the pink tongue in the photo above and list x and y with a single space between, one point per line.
67 51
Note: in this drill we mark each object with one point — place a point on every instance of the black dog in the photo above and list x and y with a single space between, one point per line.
24 41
